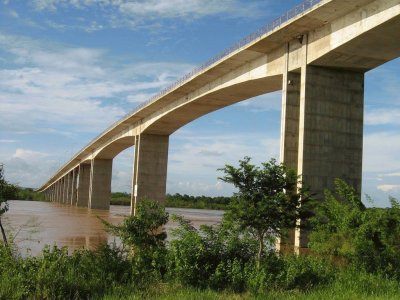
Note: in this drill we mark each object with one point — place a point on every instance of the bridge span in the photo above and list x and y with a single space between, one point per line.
317 54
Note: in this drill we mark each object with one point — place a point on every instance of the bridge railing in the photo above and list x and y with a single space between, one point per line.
290 14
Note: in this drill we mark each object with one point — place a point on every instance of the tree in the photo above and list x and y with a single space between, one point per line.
266 202
368 237
144 237
6 190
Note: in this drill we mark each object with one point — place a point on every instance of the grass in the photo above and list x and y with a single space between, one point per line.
344 288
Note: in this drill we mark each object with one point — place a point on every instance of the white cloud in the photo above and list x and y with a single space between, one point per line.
57 84
136 14
5 141
182 8
381 152
27 172
198 188
382 116
393 174
388 187
194 159
263 103
46 4
28 154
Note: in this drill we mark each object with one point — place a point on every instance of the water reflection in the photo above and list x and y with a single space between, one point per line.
35 224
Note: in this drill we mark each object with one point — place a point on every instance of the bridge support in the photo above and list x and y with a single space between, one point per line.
290 137
83 185
74 175
322 131
150 169
64 189
60 190
69 178
100 183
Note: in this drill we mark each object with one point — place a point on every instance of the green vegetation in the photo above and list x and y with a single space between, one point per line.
355 252
120 198
262 206
178 200
200 202
28 194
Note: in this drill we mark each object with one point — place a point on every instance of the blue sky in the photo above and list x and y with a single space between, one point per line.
70 68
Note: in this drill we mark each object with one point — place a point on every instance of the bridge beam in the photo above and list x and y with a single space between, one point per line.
100 183
150 169
83 185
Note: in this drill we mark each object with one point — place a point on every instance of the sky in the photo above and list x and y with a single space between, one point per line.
71 68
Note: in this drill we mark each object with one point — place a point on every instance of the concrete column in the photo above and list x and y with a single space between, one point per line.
100 183
53 193
83 185
66 189
59 191
56 192
73 186
62 185
330 131
150 169
69 178
289 138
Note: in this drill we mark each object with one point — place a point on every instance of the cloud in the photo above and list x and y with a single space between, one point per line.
197 188
50 5
263 103
183 8
28 154
388 187
27 172
56 84
393 174
194 159
5 141
138 14
382 116
381 152
210 153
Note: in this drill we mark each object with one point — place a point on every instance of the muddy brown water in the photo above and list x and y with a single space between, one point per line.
35 224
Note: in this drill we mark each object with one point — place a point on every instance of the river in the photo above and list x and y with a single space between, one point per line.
35 224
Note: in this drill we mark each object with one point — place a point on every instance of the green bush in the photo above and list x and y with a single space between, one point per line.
212 257
56 275
367 237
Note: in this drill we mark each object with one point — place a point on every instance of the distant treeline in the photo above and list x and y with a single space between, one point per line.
15 192
122 198
178 200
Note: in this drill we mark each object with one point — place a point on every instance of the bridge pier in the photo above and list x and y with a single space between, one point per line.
150 169
322 131
72 198
69 178
60 191
53 192
83 185
100 183
64 189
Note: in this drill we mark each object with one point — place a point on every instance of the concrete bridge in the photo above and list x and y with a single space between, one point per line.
317 54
